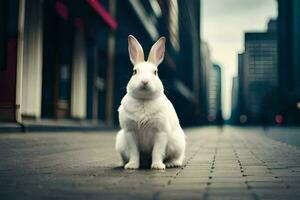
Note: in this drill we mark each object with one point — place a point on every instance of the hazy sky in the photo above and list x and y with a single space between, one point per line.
223 25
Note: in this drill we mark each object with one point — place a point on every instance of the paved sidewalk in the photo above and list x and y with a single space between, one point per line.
235 164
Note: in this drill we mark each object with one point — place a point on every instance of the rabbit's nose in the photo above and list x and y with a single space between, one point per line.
145 82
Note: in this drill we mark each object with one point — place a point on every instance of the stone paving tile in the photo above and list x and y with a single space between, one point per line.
181 195
267 184
277 194
238 163
230 197
228 186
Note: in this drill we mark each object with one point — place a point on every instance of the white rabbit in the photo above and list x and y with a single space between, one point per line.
148 120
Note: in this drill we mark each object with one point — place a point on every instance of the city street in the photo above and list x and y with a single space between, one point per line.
239 163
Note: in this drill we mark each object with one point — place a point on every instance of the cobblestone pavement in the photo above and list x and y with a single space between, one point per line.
235 164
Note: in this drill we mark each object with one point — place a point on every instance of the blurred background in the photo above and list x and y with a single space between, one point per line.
229 61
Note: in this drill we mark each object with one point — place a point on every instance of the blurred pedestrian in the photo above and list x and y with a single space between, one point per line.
220 121
264 121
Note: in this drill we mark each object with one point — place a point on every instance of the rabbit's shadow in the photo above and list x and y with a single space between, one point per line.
143 166
145 162
121 168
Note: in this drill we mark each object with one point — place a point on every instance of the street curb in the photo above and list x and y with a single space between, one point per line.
23 128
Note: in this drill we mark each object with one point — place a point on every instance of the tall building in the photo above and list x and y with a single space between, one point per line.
179 22
212 82
189 71
206 65
63 59
241 94
259 72
238 111
289 60
49 68
235 110
214 94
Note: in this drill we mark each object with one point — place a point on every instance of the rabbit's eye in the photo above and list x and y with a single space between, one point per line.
155 72
134 71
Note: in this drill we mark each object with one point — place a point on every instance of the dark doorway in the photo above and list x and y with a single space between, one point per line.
57 63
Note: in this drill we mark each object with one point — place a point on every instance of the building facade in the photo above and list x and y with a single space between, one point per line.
289 60
207 65
259 75
235 110
241 95
214 94
50 65
68 60
212 82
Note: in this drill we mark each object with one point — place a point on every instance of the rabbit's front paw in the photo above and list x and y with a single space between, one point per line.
131 165
174 164
158 166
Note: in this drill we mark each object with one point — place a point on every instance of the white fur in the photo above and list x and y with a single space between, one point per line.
148 120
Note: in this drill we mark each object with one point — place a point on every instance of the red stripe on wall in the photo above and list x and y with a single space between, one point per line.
99 8
62 10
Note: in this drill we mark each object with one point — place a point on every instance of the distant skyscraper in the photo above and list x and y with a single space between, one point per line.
214 92
238 112
259 70
241 95
212 81
206 65
235 100
289 60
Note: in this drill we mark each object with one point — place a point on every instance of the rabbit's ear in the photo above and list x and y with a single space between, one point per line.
156 55
135 50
